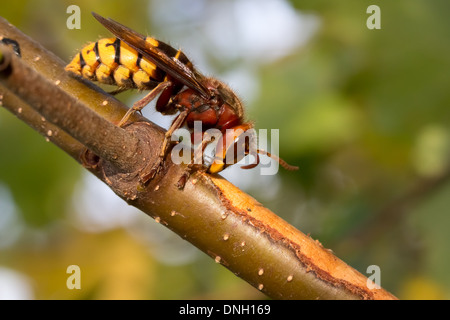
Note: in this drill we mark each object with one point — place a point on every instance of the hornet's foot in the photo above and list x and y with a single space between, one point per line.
147 175
185 177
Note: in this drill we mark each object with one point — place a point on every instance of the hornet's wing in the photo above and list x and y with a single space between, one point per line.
168 59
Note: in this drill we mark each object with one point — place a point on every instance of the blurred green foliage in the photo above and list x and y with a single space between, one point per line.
364 113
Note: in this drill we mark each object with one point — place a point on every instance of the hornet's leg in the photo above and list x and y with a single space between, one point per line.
198 161
176 124
139 105
117 91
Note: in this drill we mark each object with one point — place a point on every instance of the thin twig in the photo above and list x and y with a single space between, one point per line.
393 213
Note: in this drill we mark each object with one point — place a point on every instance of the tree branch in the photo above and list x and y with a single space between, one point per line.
227 224
66 112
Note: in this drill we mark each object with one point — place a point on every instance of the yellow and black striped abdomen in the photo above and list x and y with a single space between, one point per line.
111 61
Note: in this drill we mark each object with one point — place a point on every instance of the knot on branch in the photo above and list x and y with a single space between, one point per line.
126 183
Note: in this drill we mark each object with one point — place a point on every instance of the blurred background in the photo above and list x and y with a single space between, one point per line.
364 114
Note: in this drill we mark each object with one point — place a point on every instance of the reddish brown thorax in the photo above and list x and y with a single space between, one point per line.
222 110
